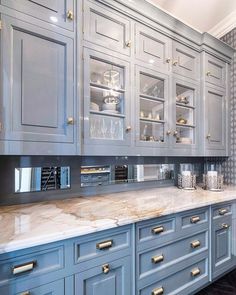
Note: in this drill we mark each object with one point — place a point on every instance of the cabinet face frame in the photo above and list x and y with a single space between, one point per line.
15 128
88 54
153 74
55 14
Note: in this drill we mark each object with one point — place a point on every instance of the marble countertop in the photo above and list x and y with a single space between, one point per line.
24 226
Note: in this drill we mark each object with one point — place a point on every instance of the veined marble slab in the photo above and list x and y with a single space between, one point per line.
24 226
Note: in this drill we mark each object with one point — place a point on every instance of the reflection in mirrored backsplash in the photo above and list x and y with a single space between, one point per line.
34 179
114 174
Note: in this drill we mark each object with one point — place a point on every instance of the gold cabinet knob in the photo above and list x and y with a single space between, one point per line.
175 62
157 259
158 291
208 73
223 211
208 136
195 244
195 272
157 230
106 268
70 15
70 121
175 133
1 126
168 132
128 43
195 219
168 60
225 226
128 129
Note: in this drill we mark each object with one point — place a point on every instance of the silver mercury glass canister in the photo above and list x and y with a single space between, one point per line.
187 177
213 179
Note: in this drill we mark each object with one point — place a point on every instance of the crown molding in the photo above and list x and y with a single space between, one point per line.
225 26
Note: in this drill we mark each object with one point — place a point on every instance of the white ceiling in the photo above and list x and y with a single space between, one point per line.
202 15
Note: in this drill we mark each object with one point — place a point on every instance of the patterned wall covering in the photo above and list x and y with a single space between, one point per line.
229 166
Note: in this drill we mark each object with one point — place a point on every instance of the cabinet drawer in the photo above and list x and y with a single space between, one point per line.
54 288
169 254
215 71
104 27
178 282
222 210
193 219
99 245
33 264
160 229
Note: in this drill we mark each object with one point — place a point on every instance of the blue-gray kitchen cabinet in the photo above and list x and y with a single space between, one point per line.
111 278
215 71
38 88
56 12
215 116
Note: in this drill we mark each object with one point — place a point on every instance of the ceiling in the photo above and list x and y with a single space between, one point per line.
202 15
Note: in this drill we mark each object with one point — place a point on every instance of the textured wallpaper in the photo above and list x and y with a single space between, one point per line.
229 166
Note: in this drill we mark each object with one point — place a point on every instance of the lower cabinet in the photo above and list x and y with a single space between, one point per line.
112 278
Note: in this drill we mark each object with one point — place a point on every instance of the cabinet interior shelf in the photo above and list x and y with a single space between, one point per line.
152 120
107 114
105 87
185 125
154 98
184 106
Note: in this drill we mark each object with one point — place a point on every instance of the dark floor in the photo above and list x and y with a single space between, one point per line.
224 286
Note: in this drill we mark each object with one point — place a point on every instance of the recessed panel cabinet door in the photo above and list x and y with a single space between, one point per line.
215 71
37 83
152 47
215 116
108 279
186 61
57 12
106 28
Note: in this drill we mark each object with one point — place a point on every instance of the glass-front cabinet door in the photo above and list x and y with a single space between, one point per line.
152 107
185 113
106 100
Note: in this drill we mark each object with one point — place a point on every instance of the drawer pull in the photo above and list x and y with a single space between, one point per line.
25 293
195 219
104 245
223 211
106 268
157 259
195 244
157 230
70 15
158 291
195 272
23 267
225 225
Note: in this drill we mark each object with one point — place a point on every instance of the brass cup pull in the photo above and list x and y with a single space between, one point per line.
225 226
128 44
175 63
157 259
168 60
195 219
104 245
70 121
223 211
25 293
22 268
128 129
195 244
208 73
157 230
106 268
195 272
158 291
70 15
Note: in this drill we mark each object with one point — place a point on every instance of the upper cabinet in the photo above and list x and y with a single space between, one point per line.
56 12
186 61
38 92
152 48
105 27
215 71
